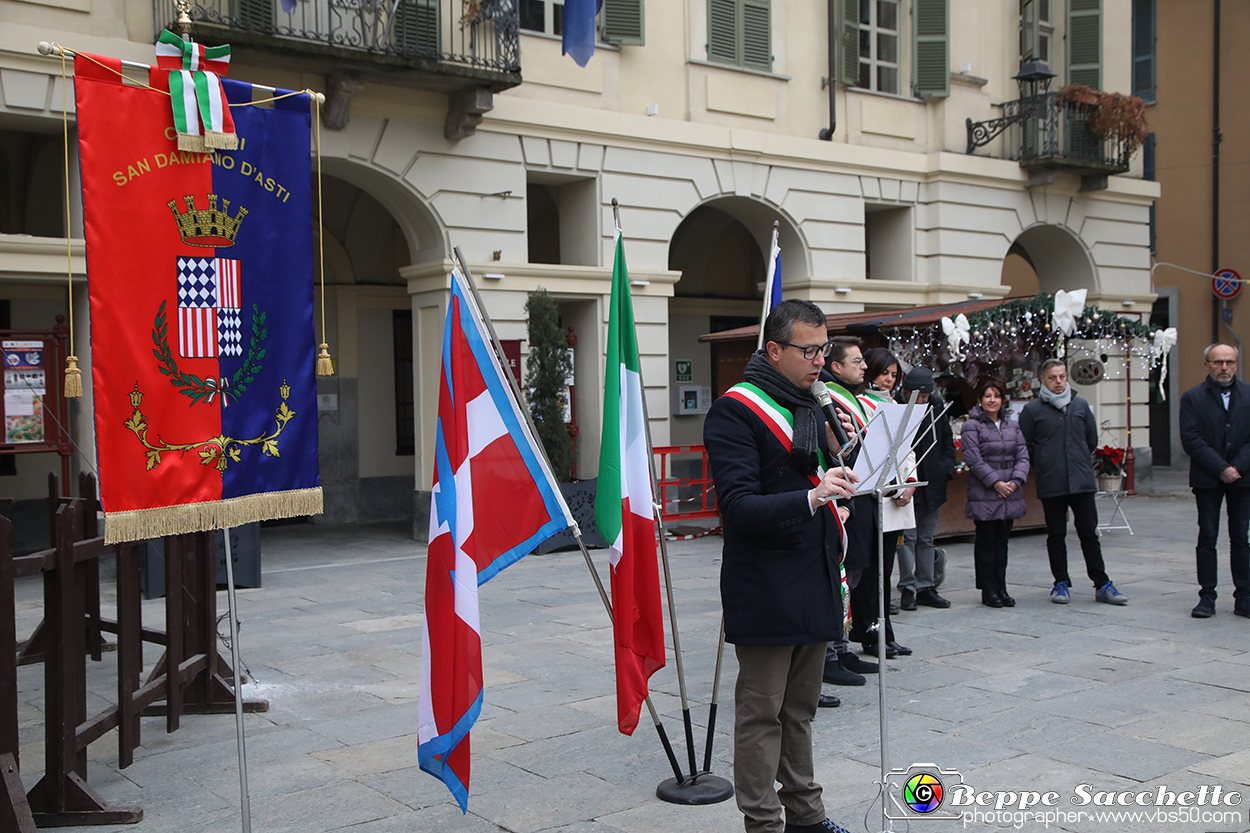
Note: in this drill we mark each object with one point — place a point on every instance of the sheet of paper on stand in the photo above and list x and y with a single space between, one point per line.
882 434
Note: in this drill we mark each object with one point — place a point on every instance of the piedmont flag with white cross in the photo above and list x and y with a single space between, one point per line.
494 499
624 510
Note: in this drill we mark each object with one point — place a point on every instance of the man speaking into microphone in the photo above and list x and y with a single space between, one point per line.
768 447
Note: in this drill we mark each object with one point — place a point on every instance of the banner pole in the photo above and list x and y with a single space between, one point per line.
700 787
245 804
577 532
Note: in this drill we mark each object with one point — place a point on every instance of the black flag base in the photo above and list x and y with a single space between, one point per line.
700 788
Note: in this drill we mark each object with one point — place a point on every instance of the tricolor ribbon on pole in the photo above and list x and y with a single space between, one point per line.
201 114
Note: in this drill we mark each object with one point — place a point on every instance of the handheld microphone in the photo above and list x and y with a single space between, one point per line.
821 392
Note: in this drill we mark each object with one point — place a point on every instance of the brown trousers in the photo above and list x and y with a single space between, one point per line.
774 702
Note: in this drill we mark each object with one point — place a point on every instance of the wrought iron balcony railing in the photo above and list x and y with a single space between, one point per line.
475 34
1045 131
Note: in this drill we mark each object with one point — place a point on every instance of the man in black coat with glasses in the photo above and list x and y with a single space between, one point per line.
1215 432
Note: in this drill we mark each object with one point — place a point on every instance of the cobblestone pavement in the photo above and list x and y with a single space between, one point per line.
1036 698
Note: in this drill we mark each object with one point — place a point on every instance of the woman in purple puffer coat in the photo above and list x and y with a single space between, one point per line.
998 465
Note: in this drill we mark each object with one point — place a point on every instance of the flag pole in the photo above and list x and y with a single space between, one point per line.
244 799
768 284
577 532
245 802
701 787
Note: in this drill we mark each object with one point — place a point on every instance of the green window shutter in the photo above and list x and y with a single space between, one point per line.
623 22
722 31
757 42
1085 43
932 48
253 14
1028 30
416 27
1144 49
848 43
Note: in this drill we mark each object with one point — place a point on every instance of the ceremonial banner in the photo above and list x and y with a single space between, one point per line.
624 509
494 499
200 269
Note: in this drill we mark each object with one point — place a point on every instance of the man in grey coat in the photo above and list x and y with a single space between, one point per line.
1059 429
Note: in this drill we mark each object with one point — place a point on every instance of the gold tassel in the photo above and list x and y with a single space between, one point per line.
216 140
73 378
325 367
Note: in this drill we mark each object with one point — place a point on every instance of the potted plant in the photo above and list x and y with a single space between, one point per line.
1115 116
1109 466
547 370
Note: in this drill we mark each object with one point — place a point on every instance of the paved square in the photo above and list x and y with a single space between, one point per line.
1039 697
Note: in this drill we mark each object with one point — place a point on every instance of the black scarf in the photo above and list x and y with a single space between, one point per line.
799 402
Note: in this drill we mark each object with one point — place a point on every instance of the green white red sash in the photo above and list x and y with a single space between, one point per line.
201 113
851 403
780 421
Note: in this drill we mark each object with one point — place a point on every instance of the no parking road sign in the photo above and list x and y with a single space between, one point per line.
1226 284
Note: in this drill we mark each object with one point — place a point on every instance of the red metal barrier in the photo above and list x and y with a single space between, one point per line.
699 500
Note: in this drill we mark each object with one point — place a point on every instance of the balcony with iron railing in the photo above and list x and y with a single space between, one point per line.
466 48
1047 132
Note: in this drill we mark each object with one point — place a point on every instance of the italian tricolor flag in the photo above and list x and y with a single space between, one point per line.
623 509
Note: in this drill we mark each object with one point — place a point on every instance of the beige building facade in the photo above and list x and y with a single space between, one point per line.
704 119
1202 220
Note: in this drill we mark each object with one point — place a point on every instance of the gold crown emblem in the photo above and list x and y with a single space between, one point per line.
208 227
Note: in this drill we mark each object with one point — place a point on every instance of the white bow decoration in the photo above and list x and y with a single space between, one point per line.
958 333
1161 343
1069 306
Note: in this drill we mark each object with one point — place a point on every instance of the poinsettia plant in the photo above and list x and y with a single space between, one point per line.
1108 460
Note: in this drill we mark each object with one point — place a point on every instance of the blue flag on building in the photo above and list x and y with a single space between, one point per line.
579 29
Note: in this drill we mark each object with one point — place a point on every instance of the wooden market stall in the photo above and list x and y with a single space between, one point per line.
965 343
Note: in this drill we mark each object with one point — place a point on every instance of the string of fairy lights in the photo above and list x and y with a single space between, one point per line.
1020 334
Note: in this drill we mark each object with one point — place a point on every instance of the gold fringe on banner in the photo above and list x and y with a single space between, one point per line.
192 142
145 524
216 140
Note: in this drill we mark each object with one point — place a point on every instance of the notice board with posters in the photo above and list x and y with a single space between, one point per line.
34 407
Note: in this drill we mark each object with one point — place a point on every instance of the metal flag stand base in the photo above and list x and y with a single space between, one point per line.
697 789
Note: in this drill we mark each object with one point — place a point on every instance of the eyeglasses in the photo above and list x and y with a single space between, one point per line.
812 351
1222 361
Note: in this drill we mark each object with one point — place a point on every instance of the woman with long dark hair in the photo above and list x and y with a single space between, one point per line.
998 465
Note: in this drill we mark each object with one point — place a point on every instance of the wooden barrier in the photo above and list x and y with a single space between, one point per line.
190 678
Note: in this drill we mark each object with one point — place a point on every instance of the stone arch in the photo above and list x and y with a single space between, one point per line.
1058 258
423 231
721 247
729 218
